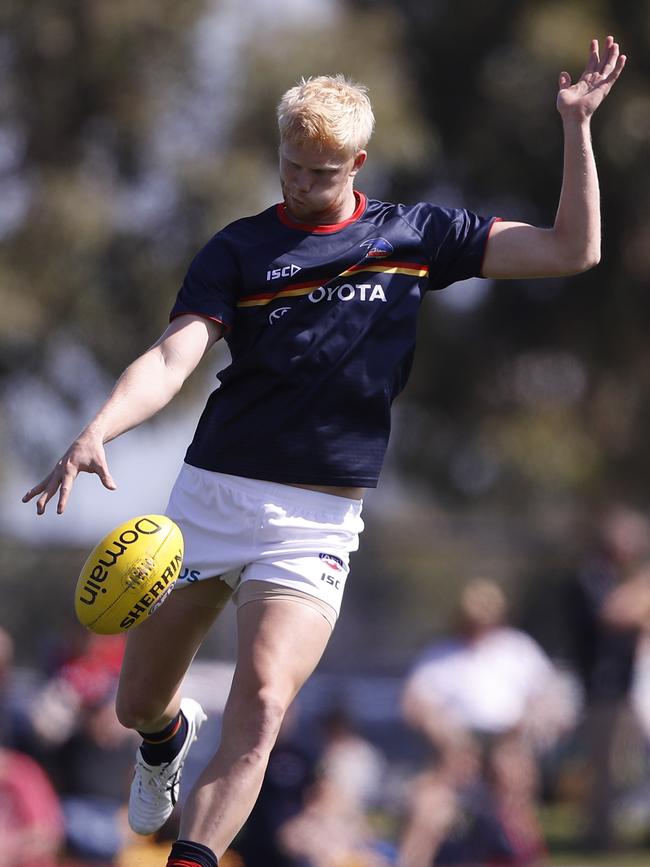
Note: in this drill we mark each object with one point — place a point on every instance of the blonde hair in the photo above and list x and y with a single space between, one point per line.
327 111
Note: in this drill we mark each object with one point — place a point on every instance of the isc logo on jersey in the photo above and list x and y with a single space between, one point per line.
286 271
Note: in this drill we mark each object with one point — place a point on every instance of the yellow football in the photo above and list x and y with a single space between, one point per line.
129 574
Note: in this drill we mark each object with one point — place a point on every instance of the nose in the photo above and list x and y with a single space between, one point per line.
303 181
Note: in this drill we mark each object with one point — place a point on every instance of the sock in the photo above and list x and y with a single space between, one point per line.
187 854
163 746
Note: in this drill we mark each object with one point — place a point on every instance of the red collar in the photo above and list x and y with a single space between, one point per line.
326 228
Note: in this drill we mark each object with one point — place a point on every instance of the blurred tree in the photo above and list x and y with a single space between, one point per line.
530 387
129 134
87 230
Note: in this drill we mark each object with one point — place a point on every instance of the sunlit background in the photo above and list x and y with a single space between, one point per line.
131 132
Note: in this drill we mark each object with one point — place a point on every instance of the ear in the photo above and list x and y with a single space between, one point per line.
359 160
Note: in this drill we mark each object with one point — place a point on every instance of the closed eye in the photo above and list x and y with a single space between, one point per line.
317 171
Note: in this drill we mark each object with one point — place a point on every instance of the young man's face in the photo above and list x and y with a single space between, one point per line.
317 182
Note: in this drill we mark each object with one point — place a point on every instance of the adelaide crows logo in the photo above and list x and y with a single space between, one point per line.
377 248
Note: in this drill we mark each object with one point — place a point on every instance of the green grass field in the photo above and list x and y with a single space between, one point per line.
638 859
562 830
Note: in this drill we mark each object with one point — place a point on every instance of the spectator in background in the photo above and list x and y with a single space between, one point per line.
449 818
7 721
513 788
31 821
89 755
82 678
486 678
609 609
351 762
487 695
326 833
641 686
95 770
332 828
290 772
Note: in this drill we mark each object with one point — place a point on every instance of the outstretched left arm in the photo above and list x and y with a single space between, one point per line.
573 243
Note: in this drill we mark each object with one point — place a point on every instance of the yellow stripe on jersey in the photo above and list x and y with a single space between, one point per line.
294 291
410 270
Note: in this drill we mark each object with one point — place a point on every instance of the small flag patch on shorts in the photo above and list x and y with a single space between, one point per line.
334 562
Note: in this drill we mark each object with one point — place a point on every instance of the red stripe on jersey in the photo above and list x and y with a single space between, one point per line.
385 264
376 266
487 241
202 315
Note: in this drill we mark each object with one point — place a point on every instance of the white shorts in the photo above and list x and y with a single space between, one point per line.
246 530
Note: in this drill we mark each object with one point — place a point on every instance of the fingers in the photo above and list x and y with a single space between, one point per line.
600 73
86 454
620 64
565 80
61 479
70 473
612 52
33 491
612 65
594 57
106 478
47 489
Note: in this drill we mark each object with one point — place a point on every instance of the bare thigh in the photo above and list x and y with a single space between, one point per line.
279 645
280 642
160 650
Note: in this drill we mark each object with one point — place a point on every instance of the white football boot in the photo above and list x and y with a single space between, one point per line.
154 790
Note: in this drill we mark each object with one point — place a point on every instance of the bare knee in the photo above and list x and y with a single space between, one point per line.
257 719
137 710
271 713
266 713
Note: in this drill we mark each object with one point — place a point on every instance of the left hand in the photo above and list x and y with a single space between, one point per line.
583 98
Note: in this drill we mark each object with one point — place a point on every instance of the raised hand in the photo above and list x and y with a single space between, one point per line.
584 97
86 454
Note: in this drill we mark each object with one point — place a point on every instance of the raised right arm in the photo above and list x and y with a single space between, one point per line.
145 387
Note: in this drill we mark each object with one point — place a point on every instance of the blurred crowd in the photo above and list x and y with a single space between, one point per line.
501 730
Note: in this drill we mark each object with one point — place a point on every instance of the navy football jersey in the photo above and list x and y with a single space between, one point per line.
321 324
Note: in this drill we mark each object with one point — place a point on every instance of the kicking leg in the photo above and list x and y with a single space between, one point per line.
159 652
157 656
279 644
